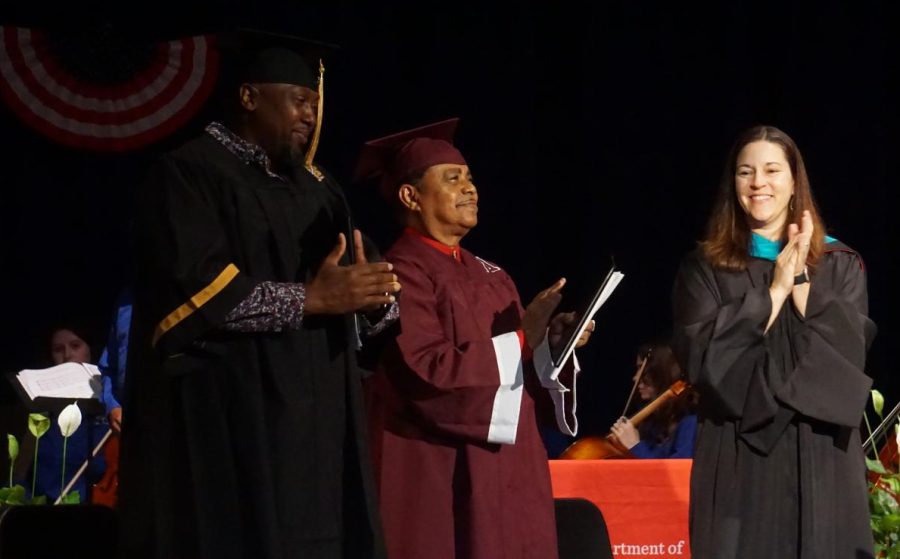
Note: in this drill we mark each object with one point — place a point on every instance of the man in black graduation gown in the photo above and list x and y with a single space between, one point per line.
245 436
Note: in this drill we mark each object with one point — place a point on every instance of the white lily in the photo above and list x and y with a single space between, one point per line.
897 433
69 420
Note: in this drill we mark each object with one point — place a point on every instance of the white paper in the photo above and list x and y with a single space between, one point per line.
68 380
610 286
604 295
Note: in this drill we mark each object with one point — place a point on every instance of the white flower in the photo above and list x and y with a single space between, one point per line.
897 433
69 420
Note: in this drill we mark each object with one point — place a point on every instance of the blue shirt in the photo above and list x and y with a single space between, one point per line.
115 355
78 448
679 445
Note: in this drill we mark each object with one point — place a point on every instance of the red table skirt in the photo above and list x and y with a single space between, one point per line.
644 502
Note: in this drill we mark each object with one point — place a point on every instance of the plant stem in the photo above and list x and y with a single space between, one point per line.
11 464
37 441
62 485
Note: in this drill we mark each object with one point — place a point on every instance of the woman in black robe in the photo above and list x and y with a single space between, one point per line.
771 327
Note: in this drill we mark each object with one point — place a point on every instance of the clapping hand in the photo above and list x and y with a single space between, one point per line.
791 260
338 289
538 313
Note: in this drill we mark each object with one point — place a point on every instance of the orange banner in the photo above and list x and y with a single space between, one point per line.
644 502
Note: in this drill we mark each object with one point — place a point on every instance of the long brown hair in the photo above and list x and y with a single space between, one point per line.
661 372
727 241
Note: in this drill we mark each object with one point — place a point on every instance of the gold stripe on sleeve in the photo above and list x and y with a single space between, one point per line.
198 300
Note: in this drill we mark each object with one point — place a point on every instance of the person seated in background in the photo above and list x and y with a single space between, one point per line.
669 431
113 360
112 366
68 344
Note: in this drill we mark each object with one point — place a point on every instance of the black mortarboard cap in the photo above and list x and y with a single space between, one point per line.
255 56
404 154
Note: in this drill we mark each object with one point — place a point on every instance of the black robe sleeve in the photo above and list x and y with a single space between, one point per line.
829 382
719 343
730 359
183 243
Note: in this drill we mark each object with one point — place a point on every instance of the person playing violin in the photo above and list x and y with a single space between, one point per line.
669 431
69 342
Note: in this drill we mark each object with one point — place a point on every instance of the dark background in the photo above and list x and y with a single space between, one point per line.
592 131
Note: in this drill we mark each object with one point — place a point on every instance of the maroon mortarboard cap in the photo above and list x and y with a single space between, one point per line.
407 154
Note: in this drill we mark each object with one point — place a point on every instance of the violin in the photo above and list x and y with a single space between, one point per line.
105 491
600 448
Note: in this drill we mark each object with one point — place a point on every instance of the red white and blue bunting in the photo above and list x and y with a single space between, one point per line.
150 101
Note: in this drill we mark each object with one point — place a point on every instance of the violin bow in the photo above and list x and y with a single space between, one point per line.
879 431
637 380
83 467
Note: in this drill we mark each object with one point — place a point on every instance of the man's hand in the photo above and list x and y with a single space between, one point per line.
538 312
561 325
337 289
115 420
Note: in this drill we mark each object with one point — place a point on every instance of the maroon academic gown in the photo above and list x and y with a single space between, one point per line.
453 407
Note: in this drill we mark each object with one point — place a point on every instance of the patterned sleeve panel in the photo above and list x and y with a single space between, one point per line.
270 307
369 330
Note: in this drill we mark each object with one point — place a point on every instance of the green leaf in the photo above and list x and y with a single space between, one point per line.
39 500
891 523
38 424
17 492
13 447
892 483
72 498
875 466
877 402
14 495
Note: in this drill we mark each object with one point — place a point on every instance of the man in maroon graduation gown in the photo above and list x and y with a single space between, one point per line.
461 468
245 432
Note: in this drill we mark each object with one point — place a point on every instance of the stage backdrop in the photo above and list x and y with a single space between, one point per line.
593 130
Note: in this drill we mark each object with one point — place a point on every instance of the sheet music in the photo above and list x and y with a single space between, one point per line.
68 380
614 280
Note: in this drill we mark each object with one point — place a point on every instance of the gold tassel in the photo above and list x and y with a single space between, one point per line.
314 145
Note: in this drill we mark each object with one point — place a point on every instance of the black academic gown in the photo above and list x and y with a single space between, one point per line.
778 467
239 445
